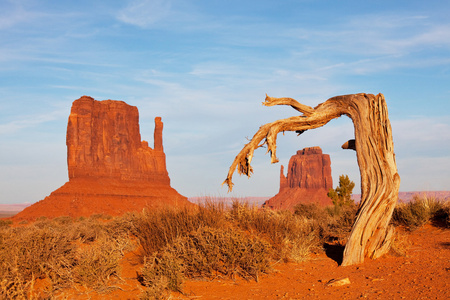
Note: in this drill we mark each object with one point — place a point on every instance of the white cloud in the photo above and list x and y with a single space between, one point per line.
145 13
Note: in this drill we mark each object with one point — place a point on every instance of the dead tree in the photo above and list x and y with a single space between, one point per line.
371 234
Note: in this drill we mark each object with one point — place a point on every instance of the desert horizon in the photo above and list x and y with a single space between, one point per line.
8 210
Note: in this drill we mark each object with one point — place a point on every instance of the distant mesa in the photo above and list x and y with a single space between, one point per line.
308 180
111 170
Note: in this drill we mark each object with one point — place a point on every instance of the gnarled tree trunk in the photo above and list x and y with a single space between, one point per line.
371 233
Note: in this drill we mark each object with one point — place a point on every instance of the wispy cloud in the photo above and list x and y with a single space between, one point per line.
145 13
30 121
13 13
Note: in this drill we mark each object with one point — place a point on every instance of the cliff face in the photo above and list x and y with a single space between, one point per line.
308 169
104 141
308 180
111 170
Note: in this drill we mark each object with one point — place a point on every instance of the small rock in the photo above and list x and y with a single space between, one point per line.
338 282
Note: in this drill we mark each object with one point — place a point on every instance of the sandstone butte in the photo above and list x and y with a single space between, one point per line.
111 171
308 180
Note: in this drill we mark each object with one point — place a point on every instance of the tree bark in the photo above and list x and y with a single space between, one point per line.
371 234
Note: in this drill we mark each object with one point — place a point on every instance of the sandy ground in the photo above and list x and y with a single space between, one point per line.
423 274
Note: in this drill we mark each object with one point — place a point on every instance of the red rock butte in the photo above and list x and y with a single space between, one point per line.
308 180
111 171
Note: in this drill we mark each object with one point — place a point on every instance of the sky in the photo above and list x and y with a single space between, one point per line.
205 67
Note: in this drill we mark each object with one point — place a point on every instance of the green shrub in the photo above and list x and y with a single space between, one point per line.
341 195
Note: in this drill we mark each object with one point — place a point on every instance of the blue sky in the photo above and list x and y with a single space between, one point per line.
205 67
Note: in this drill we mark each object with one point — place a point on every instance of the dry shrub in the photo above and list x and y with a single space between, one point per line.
29 253
98 262
61 251
309 211
63 220
5 223
209 252
400 243
86 230
330 223
420 211
299 249
292 237
206 252
162 273
340 225
157 229
442 216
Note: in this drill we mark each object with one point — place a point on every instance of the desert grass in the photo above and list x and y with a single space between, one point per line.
156 229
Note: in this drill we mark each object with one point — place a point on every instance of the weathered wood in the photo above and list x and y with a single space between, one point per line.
371 233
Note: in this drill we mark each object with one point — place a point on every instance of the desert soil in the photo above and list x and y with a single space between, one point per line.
424 273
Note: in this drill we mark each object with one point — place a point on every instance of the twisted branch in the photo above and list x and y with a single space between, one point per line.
311 118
